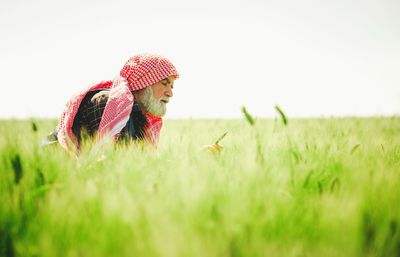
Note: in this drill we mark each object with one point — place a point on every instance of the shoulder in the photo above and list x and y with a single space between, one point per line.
100 98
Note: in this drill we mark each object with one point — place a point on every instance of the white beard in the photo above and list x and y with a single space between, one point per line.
150 104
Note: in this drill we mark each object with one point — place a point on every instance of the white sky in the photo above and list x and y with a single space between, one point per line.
313 58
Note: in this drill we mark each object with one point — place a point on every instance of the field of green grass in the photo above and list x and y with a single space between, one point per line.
316 187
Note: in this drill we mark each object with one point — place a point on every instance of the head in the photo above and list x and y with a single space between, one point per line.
154 98
151 79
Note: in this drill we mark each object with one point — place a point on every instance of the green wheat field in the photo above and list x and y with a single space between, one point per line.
303 187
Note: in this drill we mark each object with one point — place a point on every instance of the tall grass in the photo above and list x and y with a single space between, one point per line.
334 190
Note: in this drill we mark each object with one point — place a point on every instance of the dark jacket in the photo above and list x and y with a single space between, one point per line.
88 117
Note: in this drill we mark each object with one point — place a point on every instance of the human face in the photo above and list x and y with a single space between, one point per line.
162 90
153 99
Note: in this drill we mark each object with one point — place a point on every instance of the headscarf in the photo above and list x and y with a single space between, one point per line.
139 72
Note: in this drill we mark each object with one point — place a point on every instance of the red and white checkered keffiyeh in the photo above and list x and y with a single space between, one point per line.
139 72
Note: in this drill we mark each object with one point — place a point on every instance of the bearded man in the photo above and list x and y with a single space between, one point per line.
129 107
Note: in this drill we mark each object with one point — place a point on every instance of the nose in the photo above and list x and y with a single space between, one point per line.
168 91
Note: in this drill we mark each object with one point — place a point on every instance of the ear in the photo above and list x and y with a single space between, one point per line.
137 94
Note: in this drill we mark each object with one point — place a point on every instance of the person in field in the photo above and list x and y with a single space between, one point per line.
129 107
